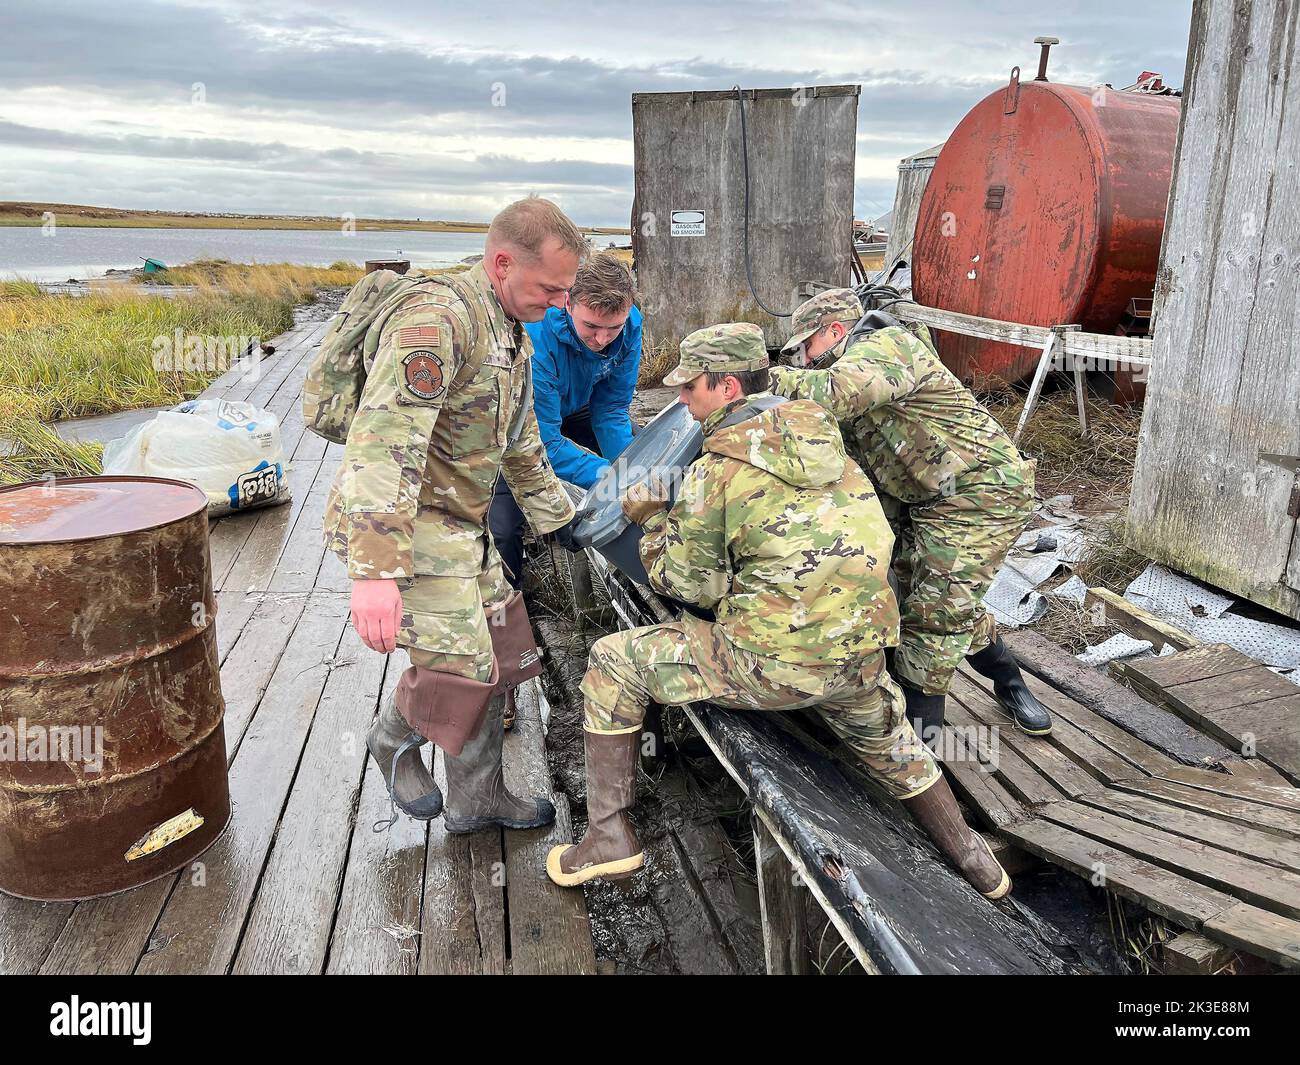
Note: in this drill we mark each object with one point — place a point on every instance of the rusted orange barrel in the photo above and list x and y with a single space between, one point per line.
112 753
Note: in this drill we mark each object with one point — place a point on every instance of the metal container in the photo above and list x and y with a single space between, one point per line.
1046 207
913 175
112 752
688 208
663 449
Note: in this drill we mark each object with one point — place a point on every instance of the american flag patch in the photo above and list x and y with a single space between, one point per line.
417 335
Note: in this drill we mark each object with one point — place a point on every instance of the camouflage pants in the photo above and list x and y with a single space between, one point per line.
692 661
444 620
946 555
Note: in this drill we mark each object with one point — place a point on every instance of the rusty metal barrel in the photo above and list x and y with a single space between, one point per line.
112 751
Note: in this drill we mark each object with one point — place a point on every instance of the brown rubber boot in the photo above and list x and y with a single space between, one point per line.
610 849
476 791
936 810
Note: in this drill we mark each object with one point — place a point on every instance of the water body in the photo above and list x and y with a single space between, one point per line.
75 252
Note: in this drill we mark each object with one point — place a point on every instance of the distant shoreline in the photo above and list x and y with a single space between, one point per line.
14 213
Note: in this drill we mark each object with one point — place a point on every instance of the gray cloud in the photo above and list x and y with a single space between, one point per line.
414 68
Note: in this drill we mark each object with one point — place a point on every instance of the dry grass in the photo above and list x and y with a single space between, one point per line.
655 363
1096 470
70 356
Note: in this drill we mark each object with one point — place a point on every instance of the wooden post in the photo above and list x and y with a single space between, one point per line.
785 941
1036 388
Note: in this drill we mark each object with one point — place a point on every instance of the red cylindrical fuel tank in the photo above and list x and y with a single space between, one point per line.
1046 207
112 753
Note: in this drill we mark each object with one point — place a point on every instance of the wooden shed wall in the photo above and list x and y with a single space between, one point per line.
1225 387
688 157
913 175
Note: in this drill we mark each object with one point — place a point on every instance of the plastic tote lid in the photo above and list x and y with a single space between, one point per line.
670 443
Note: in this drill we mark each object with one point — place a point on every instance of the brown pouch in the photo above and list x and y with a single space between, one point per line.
518 657
444 707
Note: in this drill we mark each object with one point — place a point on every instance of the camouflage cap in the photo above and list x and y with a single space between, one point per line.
833 305
731 346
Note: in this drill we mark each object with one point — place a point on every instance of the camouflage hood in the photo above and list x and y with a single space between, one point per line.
798 442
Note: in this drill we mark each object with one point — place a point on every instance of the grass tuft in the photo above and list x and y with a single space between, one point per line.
65 356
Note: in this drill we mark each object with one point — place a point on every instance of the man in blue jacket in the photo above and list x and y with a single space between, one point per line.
586 358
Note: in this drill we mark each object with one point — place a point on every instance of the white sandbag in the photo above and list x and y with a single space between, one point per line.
230 450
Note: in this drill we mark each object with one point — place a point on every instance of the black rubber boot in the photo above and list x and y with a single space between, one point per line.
395 747
926 714
477 796
998 664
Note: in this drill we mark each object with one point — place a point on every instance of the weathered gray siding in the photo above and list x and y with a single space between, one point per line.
913 175
1225 387
688 157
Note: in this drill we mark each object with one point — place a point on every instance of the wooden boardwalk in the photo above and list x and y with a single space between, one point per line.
299 882
1215 852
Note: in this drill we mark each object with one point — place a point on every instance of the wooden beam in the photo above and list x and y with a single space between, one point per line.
785 933
1136 622
1191 954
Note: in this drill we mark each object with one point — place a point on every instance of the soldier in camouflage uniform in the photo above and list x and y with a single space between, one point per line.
954 485
782 536
445 407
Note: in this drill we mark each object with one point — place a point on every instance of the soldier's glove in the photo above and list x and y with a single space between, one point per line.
642 501
564 534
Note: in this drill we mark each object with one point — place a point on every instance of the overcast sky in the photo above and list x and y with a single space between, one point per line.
386 108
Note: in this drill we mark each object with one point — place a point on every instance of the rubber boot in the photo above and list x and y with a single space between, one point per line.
610 849
395 747
476 791
936 811
926 714
998 664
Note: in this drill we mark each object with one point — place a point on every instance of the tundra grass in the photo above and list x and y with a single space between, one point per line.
72 356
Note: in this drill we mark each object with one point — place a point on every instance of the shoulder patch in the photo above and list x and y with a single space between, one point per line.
422 373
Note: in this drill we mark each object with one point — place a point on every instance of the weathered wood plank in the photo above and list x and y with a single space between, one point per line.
1274 889
250 666
1192 954
1020 777
785 932
108 936
1256 930
976 783
1284 796
1082 748
28 930
550 931
1154 725
1230 836
376 929
1227 807
1225 380
288 927
1064 773
1173 897
200 927
1138 623
462 926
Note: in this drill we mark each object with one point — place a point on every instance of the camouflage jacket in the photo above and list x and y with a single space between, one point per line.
916 429
412 493
782 535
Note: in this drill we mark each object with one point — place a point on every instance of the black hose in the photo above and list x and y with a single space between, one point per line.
744 152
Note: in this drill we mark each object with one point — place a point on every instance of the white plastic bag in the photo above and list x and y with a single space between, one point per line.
230 450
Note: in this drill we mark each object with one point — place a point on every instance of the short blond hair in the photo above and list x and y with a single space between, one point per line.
527 225
604 284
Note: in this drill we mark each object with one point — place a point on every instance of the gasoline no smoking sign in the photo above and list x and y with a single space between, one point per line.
688 224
